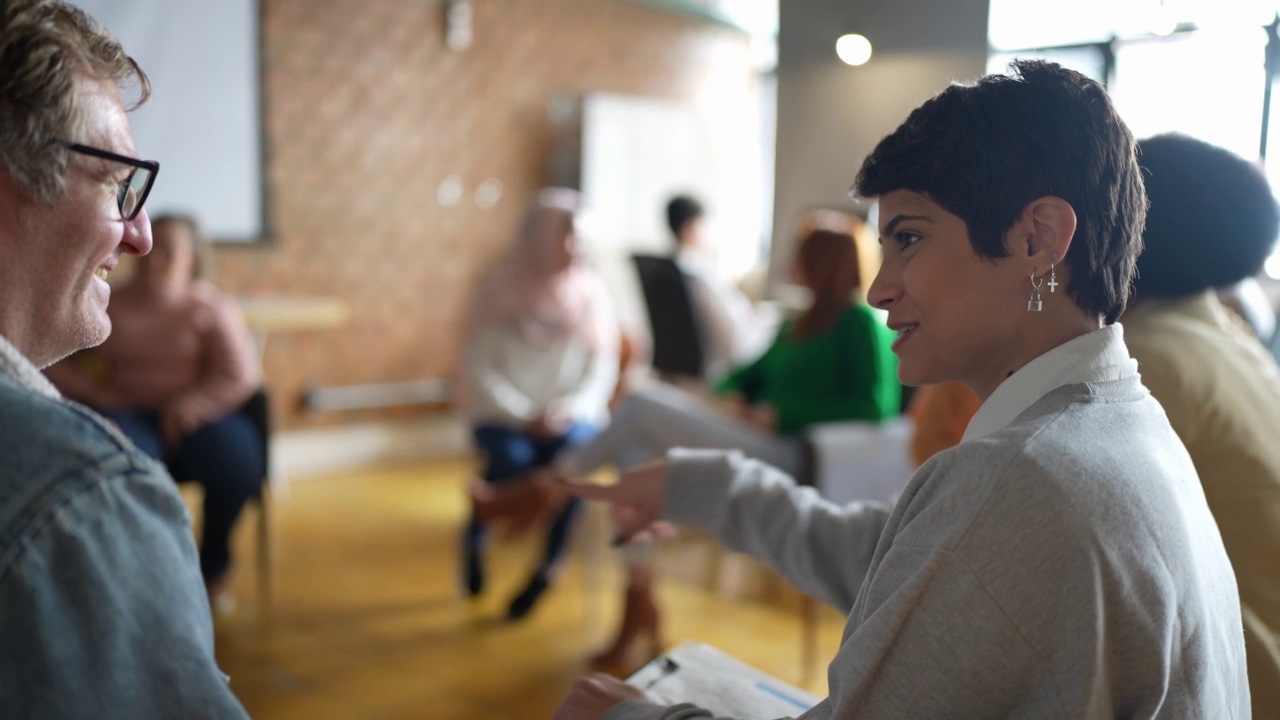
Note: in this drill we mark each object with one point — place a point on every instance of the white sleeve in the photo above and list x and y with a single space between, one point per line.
715 323
736 334
590 400
492 396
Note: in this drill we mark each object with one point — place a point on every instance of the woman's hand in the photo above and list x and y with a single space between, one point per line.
178 420
105 398
762 417
593 696
637 499
733 405
551 424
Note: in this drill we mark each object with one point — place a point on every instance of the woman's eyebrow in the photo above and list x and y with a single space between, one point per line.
899 219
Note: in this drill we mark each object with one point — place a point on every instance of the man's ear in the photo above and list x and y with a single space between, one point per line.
1049 224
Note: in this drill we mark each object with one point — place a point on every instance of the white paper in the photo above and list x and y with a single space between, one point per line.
697 673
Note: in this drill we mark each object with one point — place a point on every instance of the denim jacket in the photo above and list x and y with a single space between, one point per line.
103 612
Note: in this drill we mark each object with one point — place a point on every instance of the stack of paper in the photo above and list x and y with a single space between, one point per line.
697 673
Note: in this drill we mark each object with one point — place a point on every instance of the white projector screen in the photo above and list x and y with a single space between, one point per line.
203 122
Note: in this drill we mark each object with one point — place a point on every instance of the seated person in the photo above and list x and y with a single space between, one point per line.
940 414
733 330
177 367
540 365
1212 222
832 363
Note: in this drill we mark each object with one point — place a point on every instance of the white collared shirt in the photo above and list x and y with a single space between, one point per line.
1096 356
735 332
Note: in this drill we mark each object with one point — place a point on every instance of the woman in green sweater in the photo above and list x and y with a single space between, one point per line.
833 363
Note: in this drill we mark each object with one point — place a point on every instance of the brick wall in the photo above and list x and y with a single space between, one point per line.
366 111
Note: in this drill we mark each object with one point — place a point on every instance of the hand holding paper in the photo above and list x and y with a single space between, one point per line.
593 696
697 673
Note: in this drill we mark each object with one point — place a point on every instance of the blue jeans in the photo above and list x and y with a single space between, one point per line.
509 454
224 456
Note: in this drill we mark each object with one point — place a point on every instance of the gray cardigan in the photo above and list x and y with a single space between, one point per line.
1066 566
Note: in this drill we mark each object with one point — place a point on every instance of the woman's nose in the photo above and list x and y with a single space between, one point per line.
885 290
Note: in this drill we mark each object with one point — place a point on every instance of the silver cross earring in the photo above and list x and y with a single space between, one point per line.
1053 277
1034 304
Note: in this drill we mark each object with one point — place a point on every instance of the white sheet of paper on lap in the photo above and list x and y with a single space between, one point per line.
697 673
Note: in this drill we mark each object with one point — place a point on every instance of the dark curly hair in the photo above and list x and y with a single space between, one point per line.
1213 219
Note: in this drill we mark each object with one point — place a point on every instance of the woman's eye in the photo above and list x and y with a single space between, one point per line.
906 239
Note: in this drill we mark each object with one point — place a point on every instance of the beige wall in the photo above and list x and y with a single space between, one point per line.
831 115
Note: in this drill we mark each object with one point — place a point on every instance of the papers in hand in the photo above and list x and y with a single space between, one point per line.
697 673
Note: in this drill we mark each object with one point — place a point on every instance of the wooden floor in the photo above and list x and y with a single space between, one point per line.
369 622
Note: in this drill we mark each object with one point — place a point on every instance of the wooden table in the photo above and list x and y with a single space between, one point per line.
265 314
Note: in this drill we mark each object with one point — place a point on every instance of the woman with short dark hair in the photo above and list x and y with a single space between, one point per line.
1061 561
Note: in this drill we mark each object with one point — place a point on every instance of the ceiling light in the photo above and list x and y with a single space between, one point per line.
853 49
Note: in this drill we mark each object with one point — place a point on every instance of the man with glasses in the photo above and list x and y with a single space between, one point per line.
102 607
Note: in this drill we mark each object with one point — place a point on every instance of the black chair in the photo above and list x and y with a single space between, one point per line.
258 408
678 351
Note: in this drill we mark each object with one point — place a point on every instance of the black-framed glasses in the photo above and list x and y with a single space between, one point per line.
132 191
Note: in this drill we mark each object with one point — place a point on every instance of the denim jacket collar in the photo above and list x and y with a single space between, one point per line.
15 365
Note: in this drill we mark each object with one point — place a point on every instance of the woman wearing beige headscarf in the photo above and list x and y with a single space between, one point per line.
540 365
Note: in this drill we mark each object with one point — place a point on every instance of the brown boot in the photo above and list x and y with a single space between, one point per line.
638 638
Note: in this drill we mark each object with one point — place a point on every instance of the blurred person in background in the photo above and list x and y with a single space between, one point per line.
540 366
1213 221
940 414
734 331
173 376
832 363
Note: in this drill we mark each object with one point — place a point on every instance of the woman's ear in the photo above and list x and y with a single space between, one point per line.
1051 224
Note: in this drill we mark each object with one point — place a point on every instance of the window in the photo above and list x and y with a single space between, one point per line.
1191 66
1018 24
1089 60
1207 84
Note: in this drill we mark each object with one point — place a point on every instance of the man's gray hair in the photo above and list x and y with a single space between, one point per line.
44 45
